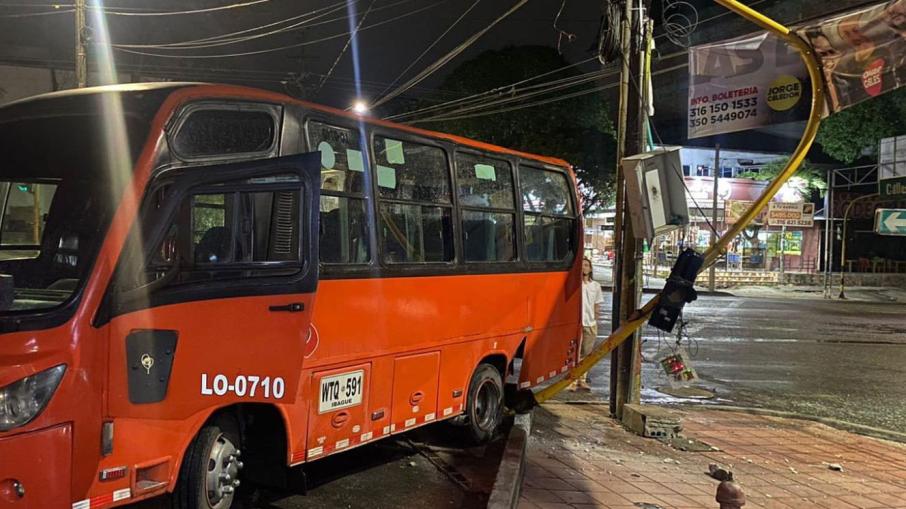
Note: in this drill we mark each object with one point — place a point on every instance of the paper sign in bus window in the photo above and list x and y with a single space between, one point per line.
328 156
386 177
394 150
485 172
354 160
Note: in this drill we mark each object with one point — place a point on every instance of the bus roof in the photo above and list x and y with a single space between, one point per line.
242 92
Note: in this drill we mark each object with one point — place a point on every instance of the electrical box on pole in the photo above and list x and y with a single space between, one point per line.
656 192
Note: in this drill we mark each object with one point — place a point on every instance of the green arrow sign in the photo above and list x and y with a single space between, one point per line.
890 221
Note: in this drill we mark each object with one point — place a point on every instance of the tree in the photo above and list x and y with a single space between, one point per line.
845 135
808 179
578 130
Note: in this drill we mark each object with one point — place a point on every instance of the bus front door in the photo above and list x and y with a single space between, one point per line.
209 309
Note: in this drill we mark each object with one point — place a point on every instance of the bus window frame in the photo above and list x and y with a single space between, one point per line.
417 268
173 127
367 192
187 181
573 208
517 260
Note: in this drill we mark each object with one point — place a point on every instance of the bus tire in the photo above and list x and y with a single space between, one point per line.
484 406
208 478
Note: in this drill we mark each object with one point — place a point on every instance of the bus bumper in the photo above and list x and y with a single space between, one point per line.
35 469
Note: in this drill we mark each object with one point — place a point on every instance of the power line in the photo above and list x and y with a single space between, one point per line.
352 35
495 90
540 102
229 38
418 78
111 12
282 48
546 88
423 53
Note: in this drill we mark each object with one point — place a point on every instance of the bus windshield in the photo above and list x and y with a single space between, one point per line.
57 194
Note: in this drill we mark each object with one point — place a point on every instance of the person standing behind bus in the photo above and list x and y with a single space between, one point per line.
592 299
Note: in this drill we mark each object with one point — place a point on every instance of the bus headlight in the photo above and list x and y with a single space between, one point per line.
22 400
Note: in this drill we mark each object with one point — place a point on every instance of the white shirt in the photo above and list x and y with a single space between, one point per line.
591 295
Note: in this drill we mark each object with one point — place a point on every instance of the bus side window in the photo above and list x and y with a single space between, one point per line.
488 208
344 226
415 208
550 220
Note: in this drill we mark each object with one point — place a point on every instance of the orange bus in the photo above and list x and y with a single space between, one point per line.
206 284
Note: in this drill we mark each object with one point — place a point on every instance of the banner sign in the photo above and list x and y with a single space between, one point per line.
745 83
734 209
797 215
862 53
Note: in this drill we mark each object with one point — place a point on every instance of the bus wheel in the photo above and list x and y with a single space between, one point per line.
209 475
484 407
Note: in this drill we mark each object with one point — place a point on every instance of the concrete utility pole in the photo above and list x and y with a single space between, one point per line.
81 56
716 175
625 375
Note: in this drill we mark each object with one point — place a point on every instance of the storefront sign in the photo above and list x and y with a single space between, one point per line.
736 208
796 215
744 83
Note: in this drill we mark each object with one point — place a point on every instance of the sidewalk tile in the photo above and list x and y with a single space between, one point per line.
537 496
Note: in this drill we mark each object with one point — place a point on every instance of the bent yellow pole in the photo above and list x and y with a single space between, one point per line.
638 318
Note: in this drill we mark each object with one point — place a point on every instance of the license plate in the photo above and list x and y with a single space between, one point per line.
341 391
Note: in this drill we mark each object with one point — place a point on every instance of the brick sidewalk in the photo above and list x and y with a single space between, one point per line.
578 457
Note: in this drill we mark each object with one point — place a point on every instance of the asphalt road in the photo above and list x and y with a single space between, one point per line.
427 467
829 358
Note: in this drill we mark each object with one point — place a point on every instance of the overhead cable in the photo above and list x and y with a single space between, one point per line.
430 46
230 38
283 48
112 12
540 102
492 91
418 78
345 47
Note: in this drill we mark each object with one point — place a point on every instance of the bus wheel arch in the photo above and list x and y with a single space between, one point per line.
484 400
258 433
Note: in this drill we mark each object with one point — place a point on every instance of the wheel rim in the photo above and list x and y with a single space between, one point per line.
221 477
487 405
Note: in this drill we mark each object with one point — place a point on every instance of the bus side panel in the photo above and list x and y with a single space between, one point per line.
360 318
555 308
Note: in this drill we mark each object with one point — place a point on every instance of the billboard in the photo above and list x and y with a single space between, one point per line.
797 215
744 83
862 53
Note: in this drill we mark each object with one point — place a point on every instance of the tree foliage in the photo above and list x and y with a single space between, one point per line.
578 130
845 135
808 179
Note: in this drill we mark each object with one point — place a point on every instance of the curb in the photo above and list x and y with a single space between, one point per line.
651 291
861 429
508 484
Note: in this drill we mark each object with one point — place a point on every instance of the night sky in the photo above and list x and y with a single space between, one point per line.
405 28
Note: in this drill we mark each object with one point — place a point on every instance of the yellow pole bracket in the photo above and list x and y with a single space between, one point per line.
639 317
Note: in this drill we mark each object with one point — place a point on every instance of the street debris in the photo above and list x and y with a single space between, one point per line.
836 467
719 473
646 505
